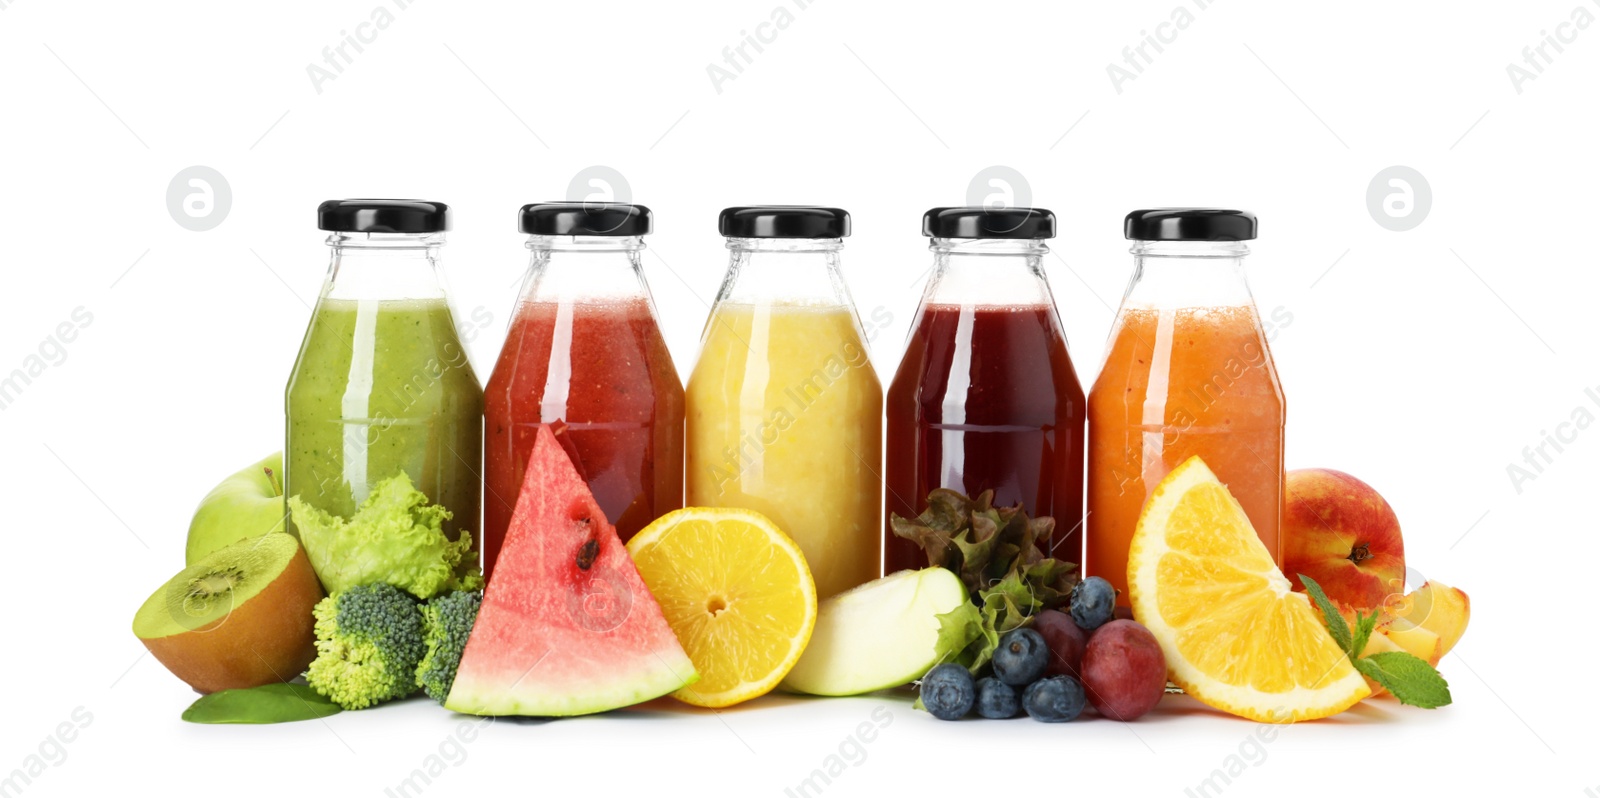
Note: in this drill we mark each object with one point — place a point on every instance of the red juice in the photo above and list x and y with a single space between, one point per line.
986 398
599 373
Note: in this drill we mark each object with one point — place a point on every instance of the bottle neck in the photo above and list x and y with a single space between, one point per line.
368 266
584 269
1182 274
987 271
784 270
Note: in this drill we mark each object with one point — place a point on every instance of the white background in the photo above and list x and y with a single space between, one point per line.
1422 361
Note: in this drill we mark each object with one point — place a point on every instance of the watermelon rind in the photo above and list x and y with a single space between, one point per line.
615 691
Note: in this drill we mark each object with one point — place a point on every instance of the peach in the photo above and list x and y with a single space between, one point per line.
1436 608
1425 645
1340 532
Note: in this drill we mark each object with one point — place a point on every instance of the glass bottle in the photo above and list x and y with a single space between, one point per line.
585 356
1187 372
383 385
986 396
784 409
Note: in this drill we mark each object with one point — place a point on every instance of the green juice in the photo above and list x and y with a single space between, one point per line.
381 387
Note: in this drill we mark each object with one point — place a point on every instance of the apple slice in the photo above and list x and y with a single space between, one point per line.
879 635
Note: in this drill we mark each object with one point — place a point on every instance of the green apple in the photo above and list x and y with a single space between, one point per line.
246 505
882 634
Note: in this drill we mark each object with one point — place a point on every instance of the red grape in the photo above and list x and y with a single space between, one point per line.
1065 640
1124 671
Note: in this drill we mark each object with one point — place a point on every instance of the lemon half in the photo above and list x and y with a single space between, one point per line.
736 591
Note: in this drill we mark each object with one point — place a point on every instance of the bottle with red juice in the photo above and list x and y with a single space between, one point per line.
986 397
585 356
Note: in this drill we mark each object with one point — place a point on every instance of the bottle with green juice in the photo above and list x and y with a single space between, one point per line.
383 385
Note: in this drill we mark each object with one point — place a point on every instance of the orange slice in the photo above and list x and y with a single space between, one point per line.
1236 637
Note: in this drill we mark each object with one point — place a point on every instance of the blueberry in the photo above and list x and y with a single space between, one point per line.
1093 603
1057 699
1021 657
947 691
996 699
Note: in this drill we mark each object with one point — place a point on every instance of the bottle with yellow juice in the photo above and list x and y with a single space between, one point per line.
784 411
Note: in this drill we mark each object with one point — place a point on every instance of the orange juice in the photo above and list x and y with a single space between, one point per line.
1178 383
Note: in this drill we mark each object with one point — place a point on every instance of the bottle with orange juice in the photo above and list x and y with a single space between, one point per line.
1187 372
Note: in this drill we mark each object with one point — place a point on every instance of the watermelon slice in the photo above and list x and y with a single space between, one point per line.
567 626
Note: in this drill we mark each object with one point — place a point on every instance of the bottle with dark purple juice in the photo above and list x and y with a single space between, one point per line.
986 397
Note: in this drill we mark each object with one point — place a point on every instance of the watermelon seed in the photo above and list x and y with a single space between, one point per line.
587 554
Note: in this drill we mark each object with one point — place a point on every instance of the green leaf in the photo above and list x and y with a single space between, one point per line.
957 629
1364 626
395 536
1052 581
982 649
996 552
976 546
1013 596
935 529
272 703
1336 625
1411 679
967 636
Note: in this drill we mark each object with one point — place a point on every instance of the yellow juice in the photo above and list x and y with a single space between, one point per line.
784 417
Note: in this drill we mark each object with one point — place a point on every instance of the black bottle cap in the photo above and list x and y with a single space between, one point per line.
783 221
1189 224
980 222
585 219
383 216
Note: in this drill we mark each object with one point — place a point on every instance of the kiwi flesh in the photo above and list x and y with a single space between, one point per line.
239 617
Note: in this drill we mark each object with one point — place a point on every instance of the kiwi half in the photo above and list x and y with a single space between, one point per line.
240 617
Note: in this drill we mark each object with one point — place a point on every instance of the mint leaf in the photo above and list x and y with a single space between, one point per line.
1363 632
1336 625
1412 680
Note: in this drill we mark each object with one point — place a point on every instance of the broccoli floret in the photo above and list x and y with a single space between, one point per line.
446 623
369 641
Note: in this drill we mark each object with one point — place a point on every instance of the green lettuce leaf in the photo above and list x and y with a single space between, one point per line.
958 628
395 536
935 529
996 552
967 636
